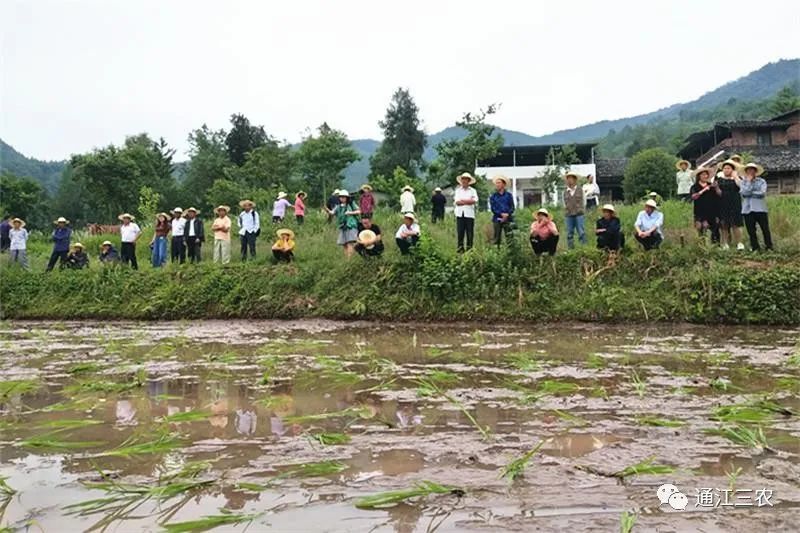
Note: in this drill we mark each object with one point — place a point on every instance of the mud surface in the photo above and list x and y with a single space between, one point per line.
238 407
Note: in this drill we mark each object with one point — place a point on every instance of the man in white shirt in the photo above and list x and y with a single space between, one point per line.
591 193
465 199
249 228
648 225
407 200
407 234
178 248
130 232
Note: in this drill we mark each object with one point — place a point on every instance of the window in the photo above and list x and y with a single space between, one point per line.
764 138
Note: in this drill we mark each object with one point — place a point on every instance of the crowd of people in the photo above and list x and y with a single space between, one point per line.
724 198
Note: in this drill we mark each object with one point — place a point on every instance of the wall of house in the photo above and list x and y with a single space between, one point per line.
793 133
748 137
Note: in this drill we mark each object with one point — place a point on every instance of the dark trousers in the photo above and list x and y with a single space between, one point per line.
437 215
548 245
178 250
60 257
248 241
127 253
406 244
762 219
375 251
499 229
5 243
650 242
300 219
465 226
280 256
610 242
193 245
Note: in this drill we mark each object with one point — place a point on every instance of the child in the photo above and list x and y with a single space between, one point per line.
19 242
283 249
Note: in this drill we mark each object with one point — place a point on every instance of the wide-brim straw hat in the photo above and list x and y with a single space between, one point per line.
651 203
281 195
367 238
225 208
61 219
343 192
193 210
437 189
21 222
736 166
366 187
408 188
410 215
465 175
126 215
652 194
284 231
106 243
504 179
301 193
759 168
245 203
573 174
681 162
177 210
700 170
608 207
544 212
78 245
736 157
165 215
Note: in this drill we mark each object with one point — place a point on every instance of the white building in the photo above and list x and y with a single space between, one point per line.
525 165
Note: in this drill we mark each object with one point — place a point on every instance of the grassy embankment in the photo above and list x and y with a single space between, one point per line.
683 281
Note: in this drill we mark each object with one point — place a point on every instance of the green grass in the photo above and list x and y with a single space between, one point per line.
17 387
6 491
83 368
51 442
645 467
639 385
395 497
64 424
185 416
137 445
330 439
436 391
655 421
305 470
350 412
516 468
210 522
626 521
742 435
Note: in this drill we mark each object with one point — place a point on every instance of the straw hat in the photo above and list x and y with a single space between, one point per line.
465 175
737 158
78 245
410 215
367 238
247 203
301 193
700 170
653 194
281 195
408 188
21 222
609 207
163 214
128 216
681 162
437 189
193 210
177 211
61 219
504 179
106 243
573 174
283 231
343 192
366 187
223 208
759 168
735 164
651 203
335 192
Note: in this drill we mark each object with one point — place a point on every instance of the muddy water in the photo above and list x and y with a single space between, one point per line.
240 402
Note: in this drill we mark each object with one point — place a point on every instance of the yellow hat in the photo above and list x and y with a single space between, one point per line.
367 238
681 162
284 231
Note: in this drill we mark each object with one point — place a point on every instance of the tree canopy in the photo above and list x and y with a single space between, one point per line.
651 170
403 139
322 159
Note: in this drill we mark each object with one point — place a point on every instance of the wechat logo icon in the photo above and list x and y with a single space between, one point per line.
669 494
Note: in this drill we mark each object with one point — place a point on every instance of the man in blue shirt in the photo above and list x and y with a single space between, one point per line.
648 226
501 203
61 237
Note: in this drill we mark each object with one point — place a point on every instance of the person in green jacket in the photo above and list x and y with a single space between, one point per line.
346 214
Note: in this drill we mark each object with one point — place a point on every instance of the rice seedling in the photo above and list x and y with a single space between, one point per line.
71 405
330 439
723 385
185 416
647 420
719 359
436 391
65 424
733 476
354 412
6 491
596 361
226 358
306 470
794 359
210 522
551 387
17 387
626 521
638 385
523 361
391 498
599 392
574 420
275 402
742 435
83 368
645 467
516 468
788 384
435 351
109 387
133 446
49 441
441 378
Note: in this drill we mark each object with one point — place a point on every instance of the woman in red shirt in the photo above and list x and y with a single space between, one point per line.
544 234
300 208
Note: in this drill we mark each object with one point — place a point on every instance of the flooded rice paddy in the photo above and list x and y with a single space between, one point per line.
326 426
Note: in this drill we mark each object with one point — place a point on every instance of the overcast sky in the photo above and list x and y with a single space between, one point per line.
79 74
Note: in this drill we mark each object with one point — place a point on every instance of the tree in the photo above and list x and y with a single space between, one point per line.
787 99
208 162
24 198
243 138
403 140
393 185
322 159
270 166
224 192
649 170
149 201
560 159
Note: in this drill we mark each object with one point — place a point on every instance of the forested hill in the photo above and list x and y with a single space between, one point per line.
48 173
